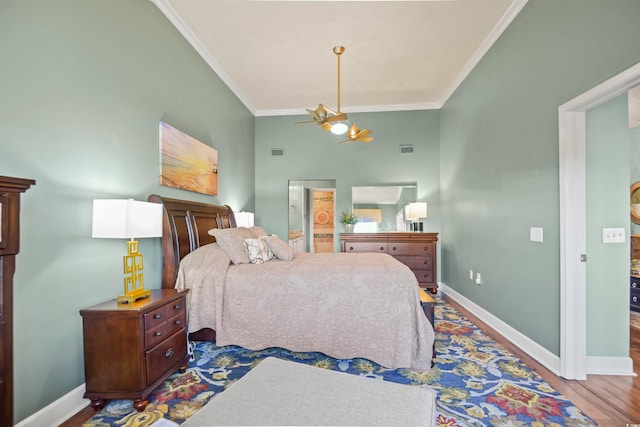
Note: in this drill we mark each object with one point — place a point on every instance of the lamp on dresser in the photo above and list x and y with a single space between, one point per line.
128 219
414 212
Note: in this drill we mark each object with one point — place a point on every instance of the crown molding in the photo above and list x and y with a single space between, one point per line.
355 109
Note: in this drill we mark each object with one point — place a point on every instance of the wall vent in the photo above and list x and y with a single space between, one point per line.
406 149
277 151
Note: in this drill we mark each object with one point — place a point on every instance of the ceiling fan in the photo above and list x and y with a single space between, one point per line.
355 134
336 121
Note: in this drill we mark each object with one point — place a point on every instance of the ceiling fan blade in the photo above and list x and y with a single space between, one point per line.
304 123
337 118
366 139
325 126
363 132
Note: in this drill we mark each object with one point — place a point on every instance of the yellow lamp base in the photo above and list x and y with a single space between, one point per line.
133 296
134 282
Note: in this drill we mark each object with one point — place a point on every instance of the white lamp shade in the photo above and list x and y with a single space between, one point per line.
414 211
244 219
126 219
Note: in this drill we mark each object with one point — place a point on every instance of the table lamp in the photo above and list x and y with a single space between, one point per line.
413 212
244 219
128 219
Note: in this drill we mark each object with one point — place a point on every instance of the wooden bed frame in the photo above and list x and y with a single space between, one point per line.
185 226
184 229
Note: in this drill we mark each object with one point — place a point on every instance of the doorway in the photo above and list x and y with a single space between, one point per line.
312 215
572 171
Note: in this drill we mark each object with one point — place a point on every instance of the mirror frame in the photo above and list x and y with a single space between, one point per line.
635 217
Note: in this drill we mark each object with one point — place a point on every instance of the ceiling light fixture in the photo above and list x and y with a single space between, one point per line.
336 121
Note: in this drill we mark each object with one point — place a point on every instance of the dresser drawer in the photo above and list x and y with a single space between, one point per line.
411 248
634 282
166 355
424 276
416 262
634 298
365 247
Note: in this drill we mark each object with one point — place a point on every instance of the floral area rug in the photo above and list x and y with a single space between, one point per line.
479 382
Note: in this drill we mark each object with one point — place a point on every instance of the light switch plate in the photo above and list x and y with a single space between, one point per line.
613 235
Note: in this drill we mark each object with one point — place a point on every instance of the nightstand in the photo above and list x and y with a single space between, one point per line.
129 349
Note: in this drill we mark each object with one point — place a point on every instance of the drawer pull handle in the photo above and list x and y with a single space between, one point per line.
169 354
158 334
634 285
426 262
178 322
394 248
635 299
350 248
381 248
157 316
177 306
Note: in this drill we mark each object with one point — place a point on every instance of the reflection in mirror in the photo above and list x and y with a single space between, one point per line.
381 208
311 215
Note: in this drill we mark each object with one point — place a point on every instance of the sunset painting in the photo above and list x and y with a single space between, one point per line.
187 163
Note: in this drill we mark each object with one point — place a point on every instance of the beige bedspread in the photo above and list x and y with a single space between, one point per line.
344 305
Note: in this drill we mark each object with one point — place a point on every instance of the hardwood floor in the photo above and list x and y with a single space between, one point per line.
612 401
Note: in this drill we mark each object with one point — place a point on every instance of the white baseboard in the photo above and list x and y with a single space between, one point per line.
532 348
610 366
595 365
58 411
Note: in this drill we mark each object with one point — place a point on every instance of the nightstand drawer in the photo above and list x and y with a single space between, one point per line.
161 314
165 355
634 282
167 327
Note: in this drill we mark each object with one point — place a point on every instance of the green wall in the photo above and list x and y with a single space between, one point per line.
83 85
311 154
608 147
499 142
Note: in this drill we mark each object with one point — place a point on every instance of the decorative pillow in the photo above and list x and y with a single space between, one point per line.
257 250
280 248
231 240
257 232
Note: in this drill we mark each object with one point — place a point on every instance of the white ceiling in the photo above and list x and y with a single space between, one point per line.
277 56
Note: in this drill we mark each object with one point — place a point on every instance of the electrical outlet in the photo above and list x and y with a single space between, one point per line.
471 274
478 278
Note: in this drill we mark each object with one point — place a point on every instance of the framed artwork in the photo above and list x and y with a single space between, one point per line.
187 163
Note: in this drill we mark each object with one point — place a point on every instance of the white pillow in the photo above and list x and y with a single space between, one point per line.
257 250
280 248
231 240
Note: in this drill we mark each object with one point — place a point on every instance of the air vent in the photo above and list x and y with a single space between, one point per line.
277 151
406 149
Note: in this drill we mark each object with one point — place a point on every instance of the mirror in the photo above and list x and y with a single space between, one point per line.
381 207
635 202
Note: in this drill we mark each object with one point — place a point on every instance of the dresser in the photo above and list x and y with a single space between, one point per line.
130 348
634 293
10 191
416 250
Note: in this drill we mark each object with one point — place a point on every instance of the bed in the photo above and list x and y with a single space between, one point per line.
343 305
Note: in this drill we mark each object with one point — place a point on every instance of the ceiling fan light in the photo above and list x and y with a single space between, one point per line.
339 128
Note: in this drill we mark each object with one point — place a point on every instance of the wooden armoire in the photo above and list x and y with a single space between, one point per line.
10 189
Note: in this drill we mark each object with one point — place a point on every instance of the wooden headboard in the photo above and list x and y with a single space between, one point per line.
184 229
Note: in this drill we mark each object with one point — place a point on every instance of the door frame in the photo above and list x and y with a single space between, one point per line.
572 174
